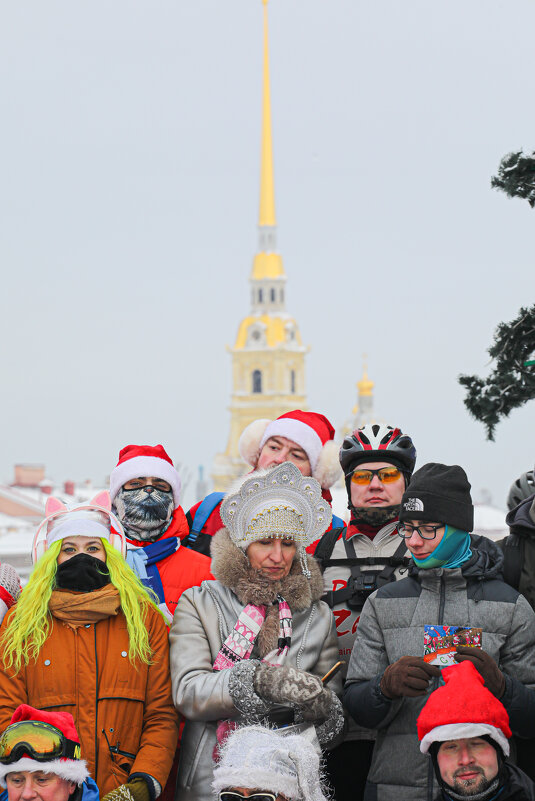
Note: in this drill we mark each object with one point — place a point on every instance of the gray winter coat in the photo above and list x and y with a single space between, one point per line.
392 626
204 618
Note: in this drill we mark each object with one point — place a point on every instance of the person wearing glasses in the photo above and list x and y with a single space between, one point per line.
40 759
255 644
260 764
85 637
145 493
455 581
377 461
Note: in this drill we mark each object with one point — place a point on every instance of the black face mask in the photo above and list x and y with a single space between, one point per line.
82 572
374 516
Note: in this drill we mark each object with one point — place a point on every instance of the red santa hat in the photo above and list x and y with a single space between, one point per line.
461 709
72 769
310 430
136 461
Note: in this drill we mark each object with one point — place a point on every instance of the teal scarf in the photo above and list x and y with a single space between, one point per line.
452 551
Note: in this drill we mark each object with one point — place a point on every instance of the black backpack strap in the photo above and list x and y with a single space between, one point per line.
326 545
396 560
363 583
512 565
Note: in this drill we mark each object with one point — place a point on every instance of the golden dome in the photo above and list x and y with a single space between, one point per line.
275 330
365 386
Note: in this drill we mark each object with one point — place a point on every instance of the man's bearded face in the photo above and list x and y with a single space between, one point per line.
145 506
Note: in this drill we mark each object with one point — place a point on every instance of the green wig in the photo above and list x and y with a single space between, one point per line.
31 623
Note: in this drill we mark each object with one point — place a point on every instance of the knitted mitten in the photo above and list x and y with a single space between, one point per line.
289 685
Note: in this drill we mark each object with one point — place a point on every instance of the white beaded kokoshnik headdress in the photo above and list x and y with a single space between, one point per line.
279 502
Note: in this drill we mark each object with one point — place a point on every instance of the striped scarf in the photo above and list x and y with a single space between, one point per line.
239 645
240 642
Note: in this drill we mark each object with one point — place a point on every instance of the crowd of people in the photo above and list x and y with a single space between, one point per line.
258 647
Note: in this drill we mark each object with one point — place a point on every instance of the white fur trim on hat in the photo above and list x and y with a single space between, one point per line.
463 731
72 770
141 466
250 439
328 469
298 432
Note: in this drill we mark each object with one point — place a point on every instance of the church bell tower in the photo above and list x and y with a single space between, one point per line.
268 356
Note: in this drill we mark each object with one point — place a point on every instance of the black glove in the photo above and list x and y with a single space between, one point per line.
409 676
485 664
289 685
134 790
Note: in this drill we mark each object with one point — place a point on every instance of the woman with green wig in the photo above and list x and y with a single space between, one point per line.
85 637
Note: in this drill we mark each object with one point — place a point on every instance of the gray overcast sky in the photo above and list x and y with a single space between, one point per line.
130 144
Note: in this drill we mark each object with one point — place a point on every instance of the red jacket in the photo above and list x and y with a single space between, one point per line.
183 568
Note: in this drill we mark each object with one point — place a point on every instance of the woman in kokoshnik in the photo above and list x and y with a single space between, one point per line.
253 645
86 637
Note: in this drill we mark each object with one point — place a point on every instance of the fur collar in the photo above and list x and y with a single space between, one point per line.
231 567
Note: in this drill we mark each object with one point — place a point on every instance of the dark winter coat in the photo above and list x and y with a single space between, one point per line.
521 522
392 626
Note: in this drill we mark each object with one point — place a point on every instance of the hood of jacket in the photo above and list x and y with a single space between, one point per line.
486 562
231 567
521 519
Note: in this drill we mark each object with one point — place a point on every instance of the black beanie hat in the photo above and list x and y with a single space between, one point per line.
439 493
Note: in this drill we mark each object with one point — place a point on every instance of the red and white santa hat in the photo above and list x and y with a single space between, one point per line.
72 769
136 461
463 708
310 430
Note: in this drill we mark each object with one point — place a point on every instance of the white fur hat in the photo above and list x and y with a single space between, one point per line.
258 758
310 430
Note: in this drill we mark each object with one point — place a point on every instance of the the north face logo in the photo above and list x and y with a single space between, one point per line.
413 505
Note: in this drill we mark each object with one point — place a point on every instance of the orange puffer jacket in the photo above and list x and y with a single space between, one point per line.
87 672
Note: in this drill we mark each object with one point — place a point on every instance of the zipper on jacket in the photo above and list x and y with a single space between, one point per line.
96 701
305 634
441 604
442 601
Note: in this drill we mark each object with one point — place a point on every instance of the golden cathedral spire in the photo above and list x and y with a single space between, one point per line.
267 190
268 356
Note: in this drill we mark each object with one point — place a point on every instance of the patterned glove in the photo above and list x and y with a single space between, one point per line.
409 676
485 664
134 790
9 588
289 685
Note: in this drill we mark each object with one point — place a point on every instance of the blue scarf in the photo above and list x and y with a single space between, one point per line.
144 563
452 551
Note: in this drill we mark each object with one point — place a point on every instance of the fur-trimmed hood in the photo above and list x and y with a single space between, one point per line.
231 567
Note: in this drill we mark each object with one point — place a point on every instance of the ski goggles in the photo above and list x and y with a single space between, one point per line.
386 475
37 740
232 795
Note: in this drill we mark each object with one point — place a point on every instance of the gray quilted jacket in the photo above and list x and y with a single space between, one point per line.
392 626
203 619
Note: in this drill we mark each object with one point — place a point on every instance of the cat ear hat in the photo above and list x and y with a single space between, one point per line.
93 518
